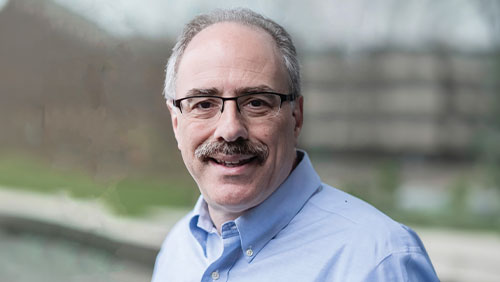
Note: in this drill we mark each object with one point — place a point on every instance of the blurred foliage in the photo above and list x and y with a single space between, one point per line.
383 189
387 182
489 222
132 195
457 203
488 138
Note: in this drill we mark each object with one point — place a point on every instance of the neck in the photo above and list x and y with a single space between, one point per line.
220 217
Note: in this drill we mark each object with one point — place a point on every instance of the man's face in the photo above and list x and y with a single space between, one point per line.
228 58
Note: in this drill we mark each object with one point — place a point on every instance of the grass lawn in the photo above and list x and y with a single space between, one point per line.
129 196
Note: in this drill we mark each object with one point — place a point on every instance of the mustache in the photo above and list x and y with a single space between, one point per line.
208 149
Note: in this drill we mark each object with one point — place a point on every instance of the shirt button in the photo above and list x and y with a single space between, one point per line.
249 252
215 275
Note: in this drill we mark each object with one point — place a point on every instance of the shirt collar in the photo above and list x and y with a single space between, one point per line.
260 224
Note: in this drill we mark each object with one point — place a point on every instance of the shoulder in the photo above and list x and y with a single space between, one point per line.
354 211
373 244
334 202
367 227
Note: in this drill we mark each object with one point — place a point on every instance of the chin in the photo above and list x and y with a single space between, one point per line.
234 197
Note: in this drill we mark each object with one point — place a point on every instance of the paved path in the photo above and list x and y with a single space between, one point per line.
461 256
90 216
27 257
457 255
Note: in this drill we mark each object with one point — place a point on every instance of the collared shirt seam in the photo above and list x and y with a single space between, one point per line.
407 250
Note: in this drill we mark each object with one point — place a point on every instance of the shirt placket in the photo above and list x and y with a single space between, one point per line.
219 269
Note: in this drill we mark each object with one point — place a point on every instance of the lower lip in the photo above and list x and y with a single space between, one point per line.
234 170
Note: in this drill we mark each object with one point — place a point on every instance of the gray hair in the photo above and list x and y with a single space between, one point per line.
243 16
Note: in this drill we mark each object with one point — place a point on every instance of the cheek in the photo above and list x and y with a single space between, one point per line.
191 136
280 138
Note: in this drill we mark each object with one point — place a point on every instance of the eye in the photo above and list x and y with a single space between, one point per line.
200 105
204 105
256 103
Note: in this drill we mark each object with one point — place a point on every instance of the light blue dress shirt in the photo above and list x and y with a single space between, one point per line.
305 231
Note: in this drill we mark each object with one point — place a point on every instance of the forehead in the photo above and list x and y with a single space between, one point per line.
228 55
232 33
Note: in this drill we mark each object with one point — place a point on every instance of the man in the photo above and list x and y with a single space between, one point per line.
233 91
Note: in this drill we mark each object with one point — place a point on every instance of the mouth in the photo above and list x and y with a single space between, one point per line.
233 160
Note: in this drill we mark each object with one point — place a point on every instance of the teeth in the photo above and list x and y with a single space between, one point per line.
227 163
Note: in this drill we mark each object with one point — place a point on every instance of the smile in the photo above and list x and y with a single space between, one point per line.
233 160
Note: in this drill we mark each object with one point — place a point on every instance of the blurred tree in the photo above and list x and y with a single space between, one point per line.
387 182
489 149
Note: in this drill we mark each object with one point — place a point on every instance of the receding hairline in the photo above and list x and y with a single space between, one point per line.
229 45
244 17
250 26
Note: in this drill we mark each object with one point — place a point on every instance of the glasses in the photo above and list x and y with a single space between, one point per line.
251 105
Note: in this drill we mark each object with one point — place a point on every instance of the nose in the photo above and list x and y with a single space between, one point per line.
230 126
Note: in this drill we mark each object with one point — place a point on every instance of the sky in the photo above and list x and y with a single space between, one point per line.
318 24
2 3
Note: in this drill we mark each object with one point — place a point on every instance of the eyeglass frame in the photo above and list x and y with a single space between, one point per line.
283 98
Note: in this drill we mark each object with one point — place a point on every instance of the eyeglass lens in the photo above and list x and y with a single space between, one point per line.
251 106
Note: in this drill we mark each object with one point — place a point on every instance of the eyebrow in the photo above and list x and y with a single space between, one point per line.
240 91
254 89
202 92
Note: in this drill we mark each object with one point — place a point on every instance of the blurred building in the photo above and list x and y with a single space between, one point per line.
428 102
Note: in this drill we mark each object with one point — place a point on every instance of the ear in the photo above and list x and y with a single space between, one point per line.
298 115
174 117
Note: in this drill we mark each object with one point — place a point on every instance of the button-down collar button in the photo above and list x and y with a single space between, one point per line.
215 275
249 252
